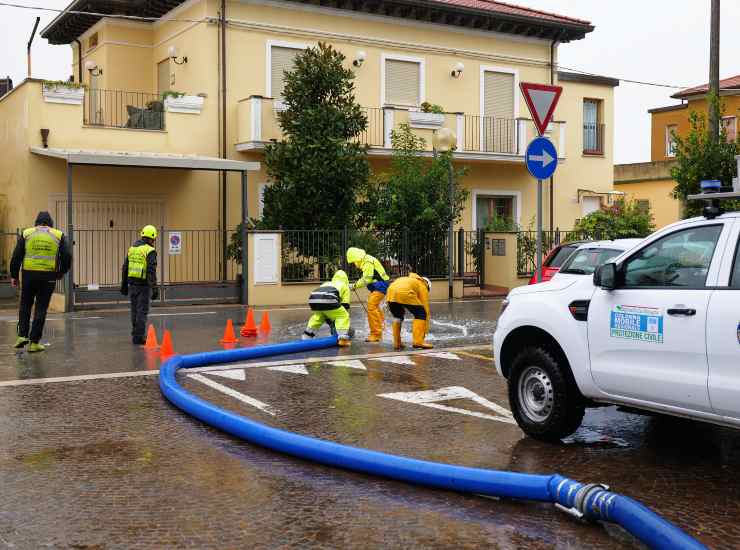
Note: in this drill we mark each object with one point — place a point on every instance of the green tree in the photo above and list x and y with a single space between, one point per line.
698 157
317 169
623 220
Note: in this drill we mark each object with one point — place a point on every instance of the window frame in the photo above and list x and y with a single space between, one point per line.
729 117
410 59
600 149
268 60
670 152
482 90
516 195
731 282
621 268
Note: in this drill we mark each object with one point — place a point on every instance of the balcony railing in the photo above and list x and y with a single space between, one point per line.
593 139
123 109
476 134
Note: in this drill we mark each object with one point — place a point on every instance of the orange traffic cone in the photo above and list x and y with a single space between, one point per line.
151 338
249 328
265 325
229 336
166 351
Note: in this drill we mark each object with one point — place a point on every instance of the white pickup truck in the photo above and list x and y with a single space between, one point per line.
657 329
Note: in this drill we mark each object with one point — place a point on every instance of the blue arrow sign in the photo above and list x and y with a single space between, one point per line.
541 158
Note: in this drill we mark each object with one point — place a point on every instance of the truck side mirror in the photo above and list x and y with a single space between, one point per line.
606 276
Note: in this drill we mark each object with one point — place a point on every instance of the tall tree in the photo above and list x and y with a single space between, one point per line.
317 169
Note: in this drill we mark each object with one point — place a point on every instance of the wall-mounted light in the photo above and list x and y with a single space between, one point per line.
360 59
172 53
93 68
45 137
457 70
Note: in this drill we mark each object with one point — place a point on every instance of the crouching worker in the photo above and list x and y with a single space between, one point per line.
330 305
376 280
410 293
139 280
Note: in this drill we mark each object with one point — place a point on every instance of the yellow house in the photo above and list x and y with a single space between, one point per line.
114 155
651 182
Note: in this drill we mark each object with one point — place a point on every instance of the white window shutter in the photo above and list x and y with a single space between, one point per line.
498 95
402 82
281 60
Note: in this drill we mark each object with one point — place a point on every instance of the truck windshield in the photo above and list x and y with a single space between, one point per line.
586 260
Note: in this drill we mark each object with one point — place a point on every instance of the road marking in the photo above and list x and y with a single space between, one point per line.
444 355
461 328
305 360
396 360
292 369
235 374
184 314
431 399
350 364
256 403
475 355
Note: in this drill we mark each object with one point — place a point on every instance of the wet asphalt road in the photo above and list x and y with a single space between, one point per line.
108 463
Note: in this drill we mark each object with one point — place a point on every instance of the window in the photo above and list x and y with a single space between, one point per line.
729 123
643 205
281 60
497 126
558 258
590 205
670 142
586 260
593 130
735 279
681 259
495 212
403 82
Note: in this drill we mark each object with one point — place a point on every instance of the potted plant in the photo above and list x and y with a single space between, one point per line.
60 91
429 116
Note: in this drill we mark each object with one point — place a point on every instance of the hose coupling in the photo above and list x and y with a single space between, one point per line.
578 510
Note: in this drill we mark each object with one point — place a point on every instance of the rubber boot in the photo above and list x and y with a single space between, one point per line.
419 330
344 342
397 345
35 347
20 342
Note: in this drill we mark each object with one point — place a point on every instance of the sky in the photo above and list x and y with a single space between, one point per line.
662 41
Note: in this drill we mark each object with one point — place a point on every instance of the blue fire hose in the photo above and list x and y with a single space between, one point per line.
592 502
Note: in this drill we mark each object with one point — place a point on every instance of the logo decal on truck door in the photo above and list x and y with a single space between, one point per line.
644 324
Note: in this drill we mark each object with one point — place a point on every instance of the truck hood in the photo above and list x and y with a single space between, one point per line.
554 285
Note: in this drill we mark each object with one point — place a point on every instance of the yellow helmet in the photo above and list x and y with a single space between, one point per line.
355 255
149 231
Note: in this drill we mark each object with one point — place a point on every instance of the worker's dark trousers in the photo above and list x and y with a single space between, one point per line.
39 292
140 296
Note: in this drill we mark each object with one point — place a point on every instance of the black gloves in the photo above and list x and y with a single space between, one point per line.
124 290
155 293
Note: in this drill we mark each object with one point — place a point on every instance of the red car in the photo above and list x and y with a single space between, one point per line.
557 256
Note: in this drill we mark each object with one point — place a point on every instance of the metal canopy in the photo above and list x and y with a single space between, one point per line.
146 160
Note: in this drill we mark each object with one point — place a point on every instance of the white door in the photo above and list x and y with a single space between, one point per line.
723 341
647 338
590 204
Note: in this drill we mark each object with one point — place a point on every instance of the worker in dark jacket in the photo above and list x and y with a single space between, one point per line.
139 280
42 255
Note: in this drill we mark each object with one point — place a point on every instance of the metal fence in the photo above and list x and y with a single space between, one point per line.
7 245
123 109
490 135
526 246
593 139
195 257
374 134
314 255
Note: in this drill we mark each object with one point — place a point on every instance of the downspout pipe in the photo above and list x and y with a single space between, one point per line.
592 502
225 147
79 61
30 43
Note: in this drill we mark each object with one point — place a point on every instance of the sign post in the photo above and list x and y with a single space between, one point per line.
541 157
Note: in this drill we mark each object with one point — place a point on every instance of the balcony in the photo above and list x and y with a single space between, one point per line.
123 109
479 137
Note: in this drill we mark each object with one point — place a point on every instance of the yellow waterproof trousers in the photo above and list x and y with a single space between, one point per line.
339 318
375 318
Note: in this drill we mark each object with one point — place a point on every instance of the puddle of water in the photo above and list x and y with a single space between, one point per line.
589 437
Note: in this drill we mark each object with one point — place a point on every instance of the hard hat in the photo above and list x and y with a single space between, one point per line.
429 283
355 254
149 231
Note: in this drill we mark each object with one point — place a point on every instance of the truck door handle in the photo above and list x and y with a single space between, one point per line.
682 311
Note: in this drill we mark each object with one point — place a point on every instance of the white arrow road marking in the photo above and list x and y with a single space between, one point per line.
396 360
443 355
292 369
431 398
545 158
350 364
237 374
264 407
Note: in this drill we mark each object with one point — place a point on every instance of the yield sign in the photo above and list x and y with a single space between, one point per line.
541 100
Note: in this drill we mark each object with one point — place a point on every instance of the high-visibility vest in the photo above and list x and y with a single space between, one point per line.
137 256
42 247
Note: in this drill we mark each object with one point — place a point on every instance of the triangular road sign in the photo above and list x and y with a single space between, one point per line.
541 100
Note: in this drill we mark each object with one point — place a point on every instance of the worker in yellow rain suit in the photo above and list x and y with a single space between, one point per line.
410 293
376 280
330 305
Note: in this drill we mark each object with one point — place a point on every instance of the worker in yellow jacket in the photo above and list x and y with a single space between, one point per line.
376 280
330 304
411 294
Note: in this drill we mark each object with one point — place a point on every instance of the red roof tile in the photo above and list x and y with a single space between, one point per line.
732 83
511 9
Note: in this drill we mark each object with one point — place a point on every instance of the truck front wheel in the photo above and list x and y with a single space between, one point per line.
544 401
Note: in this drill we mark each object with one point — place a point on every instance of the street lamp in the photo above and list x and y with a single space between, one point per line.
446 140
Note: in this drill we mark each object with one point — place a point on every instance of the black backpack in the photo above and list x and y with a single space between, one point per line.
324 298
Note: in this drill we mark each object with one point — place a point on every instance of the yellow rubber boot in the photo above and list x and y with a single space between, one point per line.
375 319
344 342
419 330
397 345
